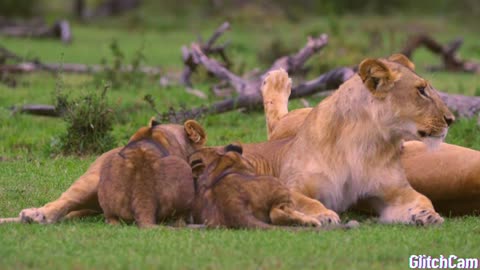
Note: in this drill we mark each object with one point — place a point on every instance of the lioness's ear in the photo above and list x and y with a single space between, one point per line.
402 60
376 76
195 132
234 148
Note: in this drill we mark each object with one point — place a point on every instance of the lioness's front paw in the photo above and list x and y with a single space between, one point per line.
33 215
328 217
310 222
277 81
425 217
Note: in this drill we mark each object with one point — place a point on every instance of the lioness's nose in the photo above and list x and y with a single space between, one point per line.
449 119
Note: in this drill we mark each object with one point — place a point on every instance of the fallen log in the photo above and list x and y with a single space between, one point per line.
463 106
29 67
37 109
249 89
22 65
59 30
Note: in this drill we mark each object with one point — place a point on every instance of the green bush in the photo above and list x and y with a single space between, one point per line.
89 123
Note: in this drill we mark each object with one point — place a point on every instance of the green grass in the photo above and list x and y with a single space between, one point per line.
90 244
31 175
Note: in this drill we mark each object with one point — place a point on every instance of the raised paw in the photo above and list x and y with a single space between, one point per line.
32 215
277 82
328 218
425 217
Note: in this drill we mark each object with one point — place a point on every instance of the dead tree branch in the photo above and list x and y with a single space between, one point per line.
448 53
207 48
249 89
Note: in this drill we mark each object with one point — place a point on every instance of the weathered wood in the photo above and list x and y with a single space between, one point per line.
207 48
29 67
463 106
37 109
32 65
251 87
450 59
60 30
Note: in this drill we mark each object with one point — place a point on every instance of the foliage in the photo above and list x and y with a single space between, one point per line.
115 73
89 123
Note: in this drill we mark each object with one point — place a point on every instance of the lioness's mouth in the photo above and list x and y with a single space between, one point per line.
424 134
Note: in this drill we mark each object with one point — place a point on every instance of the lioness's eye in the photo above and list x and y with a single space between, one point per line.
421 89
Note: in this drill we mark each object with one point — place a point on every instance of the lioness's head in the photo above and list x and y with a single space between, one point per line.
189 137
210 163
412 99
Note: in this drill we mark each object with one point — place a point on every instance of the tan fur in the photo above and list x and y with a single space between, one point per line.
82 196
146 184
426 170
230 194
356 135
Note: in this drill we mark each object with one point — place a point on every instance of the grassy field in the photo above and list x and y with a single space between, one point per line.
31 173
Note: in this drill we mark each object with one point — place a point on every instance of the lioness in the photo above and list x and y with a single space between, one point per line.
147 182
357 134
453 188
229 193
449 176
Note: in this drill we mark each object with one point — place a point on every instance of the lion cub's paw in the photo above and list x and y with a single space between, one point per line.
328 218
425 217
32 215
277 82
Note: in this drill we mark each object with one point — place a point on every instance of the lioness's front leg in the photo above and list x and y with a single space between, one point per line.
81 195
312 207
405 205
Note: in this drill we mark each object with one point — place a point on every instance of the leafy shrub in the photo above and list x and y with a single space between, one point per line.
114 72
89 123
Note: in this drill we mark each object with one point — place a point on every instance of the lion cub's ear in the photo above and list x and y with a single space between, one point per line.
234 147
142 133
197 164
402 60
377 77
195 132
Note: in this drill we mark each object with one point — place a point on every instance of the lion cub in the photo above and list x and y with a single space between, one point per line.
148 181
229 194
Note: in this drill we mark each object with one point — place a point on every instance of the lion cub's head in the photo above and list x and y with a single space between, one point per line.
210 164
413 101
184 139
